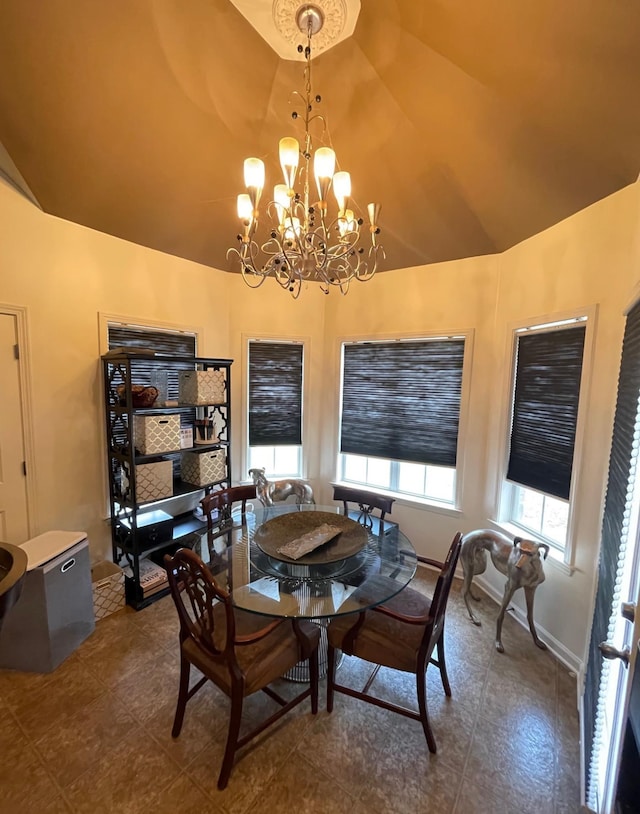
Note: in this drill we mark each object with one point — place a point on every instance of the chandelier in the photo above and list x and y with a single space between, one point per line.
306 242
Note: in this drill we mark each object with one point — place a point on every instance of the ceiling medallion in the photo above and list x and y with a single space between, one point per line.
287 15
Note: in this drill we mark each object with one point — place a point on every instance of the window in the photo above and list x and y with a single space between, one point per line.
400 416
168 343
545 400
275 389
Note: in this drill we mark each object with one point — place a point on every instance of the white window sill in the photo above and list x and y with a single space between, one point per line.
556 556
402 499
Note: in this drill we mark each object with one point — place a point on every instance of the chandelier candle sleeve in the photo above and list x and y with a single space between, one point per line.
324 164
342 190
289 157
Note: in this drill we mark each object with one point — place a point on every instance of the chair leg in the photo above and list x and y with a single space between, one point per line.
235 717
421 680
331 676
313 673
183 696
442 664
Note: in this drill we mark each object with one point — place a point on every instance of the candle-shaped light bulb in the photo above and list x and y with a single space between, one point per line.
282 201
324 164
346 222
342 189
289 157
292 228
245 209
254 179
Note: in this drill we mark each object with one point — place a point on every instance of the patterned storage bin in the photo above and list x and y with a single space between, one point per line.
107 582
202 387
203 468
154 481
153 434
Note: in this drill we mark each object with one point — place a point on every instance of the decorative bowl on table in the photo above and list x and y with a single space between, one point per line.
274 534
141 395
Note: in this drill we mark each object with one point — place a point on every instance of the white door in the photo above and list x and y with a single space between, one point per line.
612 652
14 527
622 652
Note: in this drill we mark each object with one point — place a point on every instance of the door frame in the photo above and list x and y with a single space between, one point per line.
20 314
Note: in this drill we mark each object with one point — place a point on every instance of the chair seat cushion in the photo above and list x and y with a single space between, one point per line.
261 662
382 639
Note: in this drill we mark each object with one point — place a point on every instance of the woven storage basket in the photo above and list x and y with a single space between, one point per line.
107 582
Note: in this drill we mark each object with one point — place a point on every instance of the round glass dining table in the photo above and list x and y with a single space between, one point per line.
265 566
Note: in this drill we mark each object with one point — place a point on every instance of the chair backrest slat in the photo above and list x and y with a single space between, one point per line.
365 501
196 595
218 506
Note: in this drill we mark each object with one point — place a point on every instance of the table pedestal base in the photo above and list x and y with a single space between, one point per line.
300 672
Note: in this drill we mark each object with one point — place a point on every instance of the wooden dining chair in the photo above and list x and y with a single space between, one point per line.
222 524
401 634
365 501
217 507
239 652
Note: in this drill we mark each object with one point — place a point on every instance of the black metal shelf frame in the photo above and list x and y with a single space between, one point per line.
120 373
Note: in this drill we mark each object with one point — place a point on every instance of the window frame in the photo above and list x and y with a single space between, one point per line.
404 498
563 556
105 321
305 342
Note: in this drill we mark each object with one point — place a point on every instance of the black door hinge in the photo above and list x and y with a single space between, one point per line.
16 351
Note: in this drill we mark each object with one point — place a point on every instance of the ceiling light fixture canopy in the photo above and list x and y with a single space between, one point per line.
306 242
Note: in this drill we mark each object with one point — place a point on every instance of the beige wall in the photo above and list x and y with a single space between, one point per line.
65 275
590 259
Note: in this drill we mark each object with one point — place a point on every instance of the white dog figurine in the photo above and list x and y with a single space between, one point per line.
519 561
281 489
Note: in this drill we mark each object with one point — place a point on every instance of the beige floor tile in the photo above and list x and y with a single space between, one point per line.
516 760
70 748
114 651
471 800
256 765
305 789
182 796
407 783
135 777
509 695
159 622
151 686
206 719
26 784
379 756
451 719
39 706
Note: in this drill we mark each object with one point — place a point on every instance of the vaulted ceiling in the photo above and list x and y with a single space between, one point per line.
475 124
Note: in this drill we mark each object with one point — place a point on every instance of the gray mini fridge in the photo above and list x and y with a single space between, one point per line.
55 611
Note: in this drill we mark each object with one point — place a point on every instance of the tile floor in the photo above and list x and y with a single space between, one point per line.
94 736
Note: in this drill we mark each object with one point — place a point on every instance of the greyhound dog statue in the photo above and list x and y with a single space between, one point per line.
268 491
519 561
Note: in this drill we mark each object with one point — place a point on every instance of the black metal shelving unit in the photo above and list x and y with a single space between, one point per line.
131 542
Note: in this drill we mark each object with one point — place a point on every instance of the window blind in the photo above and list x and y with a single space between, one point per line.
401 400
165 343
545 409
275 393
615 527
